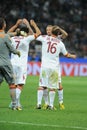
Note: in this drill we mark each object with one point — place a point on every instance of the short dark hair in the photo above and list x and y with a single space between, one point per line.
55 30
2 22
23 27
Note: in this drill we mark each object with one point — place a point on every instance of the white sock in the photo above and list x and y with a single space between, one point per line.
18 93
60 95
45 96
39 96
51 98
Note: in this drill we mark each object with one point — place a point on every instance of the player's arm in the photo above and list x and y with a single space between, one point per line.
28 25
69 55
13 28
37 30
63 34
12 34
65 53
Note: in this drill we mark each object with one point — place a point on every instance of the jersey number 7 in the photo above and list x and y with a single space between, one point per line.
18 42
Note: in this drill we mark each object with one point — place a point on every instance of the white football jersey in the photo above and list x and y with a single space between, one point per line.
51 48
22 44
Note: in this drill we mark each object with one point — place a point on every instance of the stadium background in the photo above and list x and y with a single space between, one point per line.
70 15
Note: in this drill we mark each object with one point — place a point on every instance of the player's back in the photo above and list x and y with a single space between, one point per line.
20 43
51 48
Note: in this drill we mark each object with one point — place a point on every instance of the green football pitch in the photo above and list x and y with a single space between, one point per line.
74 117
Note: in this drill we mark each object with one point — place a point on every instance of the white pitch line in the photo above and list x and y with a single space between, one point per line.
44 125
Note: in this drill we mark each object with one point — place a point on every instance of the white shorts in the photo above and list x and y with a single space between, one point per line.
49 78
20 74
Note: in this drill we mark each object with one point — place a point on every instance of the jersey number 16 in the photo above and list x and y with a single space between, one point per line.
51 47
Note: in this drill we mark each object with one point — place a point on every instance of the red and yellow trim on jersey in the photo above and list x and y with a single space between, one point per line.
68 55
2 35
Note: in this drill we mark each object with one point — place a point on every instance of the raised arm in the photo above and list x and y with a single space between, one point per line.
28 25
14 27
13 31
37 30
63 34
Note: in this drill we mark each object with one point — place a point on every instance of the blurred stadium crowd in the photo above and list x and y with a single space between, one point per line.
71 15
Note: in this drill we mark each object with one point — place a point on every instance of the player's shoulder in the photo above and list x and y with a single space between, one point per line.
61 43
17 37
43 36
7 37
29 36
4 35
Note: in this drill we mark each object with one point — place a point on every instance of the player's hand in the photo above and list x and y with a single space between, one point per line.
18 21
25 21
18 53
71 56
74 56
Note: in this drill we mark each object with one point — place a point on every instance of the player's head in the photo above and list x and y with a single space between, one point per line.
49 30
24 30
2 23
55 30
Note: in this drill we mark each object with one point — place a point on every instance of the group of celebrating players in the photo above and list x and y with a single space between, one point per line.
14 68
